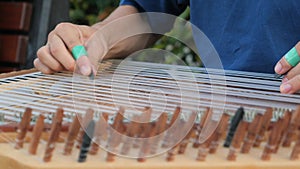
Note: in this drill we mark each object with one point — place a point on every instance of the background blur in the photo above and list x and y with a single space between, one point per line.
25 24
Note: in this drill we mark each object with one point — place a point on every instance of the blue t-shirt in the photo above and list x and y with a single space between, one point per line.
249 35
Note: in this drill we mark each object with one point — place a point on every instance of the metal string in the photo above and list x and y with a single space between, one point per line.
253 90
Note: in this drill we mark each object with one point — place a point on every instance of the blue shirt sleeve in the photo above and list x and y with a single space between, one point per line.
174 7
170 7
132 3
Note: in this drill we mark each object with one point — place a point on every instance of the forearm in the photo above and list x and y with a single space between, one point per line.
119 46
121 11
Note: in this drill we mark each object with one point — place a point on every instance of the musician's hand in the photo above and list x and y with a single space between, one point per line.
56 54
291 81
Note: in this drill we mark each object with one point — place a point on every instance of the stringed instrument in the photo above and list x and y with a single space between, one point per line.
147 115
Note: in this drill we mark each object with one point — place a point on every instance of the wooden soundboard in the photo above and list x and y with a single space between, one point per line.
20 159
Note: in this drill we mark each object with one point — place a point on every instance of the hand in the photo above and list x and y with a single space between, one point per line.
56 54
291 81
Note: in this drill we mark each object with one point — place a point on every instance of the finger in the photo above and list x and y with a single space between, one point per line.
41 67
45 57
97 48
292 73
76 35
83 62
291 86
59 51
84 65
284 65
70 35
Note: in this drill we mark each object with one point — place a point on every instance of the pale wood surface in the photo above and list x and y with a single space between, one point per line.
20 159
17 73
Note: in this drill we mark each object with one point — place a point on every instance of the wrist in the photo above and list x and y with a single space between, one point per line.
98 25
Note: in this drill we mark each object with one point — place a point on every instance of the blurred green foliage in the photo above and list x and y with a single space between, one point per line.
88 12
174 46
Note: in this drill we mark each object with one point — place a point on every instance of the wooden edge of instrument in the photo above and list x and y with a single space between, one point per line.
11 158
17 73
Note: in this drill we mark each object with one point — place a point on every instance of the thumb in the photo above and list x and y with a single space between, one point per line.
84 66
282 66
288 61
97 48
87 64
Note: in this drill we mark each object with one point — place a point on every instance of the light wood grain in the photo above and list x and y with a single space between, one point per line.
20 159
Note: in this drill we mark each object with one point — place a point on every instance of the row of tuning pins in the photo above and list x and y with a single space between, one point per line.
88 134
284 128
278 127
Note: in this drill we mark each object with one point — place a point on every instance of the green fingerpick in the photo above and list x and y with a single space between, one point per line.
79 51
292 57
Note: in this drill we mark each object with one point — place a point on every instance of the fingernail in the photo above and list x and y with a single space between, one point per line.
285 80
85 70
286 88
278 68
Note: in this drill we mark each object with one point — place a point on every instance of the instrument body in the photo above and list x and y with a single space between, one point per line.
186 112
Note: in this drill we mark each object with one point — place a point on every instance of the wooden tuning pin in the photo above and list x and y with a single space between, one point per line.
146 130
208 126
181 128
233 125
131 132
143 125
237 140
72 134
296 150
172 121
145 148
85 122
160 127
172 152
22 128
272 140
265 125
115 137
183 145
203 148
282 133
219 133
100 133
253 129
199 128
144 118
292 128
86 141
54 134
36 134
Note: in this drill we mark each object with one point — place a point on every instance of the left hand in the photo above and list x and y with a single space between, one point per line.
291 81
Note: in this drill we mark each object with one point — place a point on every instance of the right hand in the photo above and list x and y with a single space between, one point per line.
291 81
56 54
